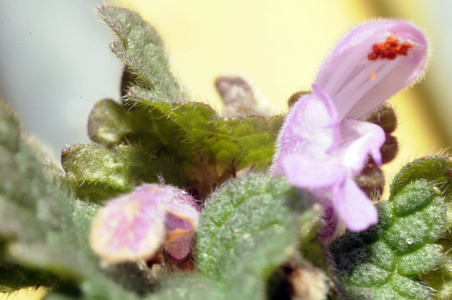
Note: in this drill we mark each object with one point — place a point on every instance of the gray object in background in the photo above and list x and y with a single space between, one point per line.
55 63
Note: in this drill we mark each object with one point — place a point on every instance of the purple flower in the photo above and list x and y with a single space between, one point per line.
322 144
137 225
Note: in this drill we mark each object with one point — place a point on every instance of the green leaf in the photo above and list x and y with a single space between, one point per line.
219 146
420 261
14 276
436 169
239 141
440 278
44 232
225 225
387 260
141 49
97 174
187 137
9 130
109 122
189 287
247 229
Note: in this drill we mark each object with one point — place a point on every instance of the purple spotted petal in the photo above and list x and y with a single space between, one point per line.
131 226
353 206
358 85
181 204
181 222
359 138
310 129
179 235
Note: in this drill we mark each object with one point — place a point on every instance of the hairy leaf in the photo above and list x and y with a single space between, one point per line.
247 230
437 169
141 49
44 232
386 261
189 287
97 174
199 150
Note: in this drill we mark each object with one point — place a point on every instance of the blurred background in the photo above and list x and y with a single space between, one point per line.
55 62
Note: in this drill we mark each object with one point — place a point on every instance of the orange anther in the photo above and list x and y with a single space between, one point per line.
389 49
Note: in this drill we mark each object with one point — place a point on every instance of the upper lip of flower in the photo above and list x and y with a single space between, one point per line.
358 85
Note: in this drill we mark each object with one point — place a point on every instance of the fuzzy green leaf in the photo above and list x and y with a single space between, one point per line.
386 261
420 261
440 278
14 276
45 233
241 141
437 169
219 146
98 174
189 287
225 225
188 137
109 122
141 49
247 229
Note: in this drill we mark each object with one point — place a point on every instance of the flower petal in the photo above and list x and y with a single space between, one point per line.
178 226
329 222
131 226
359 138
181 222
304 172
358 83
180 248
182 205
353 206
310 129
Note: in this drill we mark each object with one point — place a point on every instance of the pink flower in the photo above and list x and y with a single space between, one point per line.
137 225
323 144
